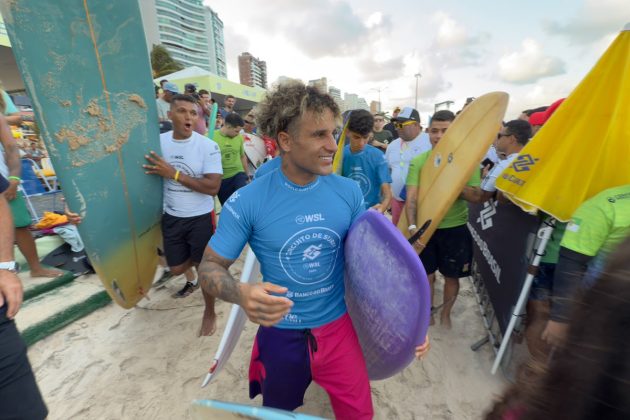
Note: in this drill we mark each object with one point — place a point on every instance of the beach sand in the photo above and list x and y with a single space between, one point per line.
148 363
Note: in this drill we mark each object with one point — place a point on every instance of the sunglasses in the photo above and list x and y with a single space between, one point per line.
401 125
499 135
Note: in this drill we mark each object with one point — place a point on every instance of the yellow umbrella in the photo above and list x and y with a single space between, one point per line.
584 148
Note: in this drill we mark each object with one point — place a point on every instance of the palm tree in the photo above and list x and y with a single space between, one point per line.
162 63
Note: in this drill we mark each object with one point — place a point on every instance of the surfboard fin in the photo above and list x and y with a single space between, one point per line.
413 238
206 381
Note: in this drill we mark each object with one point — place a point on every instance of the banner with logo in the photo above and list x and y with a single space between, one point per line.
503 239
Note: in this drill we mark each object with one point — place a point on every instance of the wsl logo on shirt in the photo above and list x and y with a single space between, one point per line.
309 218
309 256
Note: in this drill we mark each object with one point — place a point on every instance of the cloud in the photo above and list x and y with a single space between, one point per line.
594 20
321 29
454 45
377 71
529 64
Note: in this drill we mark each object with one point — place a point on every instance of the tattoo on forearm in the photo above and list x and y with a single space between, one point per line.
218 282
411 212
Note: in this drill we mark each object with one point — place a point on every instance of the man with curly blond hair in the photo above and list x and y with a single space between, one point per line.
295 219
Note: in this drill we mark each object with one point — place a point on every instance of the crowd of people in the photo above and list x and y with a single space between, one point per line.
305 332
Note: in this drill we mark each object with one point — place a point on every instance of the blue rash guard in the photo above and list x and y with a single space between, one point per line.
269 166
369 169
297 233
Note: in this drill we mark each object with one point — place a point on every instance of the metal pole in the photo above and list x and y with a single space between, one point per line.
544 233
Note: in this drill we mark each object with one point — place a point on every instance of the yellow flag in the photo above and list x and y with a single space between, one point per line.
584 148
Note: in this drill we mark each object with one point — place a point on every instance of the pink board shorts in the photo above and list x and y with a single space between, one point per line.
285 361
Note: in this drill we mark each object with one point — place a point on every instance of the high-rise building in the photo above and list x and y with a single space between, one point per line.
320 84
252 71
353 101
191 32
218 64
336 95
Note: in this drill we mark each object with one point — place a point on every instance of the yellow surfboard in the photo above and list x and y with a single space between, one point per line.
454 159
338 159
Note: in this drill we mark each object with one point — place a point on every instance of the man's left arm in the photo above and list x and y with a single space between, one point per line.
386 194
385 179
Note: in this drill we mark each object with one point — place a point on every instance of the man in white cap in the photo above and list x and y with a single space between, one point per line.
410 143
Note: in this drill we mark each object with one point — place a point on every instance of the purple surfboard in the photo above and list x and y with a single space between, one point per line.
387 294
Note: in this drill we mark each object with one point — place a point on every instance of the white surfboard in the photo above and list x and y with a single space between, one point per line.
255 150
236 321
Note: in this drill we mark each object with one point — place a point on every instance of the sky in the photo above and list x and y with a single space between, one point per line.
537 51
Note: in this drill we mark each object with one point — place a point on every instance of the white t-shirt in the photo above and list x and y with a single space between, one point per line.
163 107
492 155
398 160
195 156
489 182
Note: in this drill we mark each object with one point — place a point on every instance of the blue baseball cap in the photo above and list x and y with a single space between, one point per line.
171 87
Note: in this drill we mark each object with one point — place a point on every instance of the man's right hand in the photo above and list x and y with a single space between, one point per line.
263 308
10 292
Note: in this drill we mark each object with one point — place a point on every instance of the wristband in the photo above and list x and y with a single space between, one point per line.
412 227
15 178
176 177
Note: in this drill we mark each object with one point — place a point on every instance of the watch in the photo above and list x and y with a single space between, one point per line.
411 228
11 266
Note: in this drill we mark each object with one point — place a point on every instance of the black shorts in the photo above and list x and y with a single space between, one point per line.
450 251
185 238
19 395
229 185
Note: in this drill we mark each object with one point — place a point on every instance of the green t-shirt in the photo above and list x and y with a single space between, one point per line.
232 150
457 215
600 223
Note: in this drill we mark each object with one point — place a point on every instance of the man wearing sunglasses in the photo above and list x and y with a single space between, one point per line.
512 137
410 143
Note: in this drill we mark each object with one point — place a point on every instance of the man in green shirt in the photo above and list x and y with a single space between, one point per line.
450 249
233 158
595 229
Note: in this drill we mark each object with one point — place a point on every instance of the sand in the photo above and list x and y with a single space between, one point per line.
148 363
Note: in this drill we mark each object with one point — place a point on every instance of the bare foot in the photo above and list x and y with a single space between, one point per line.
445 321
208 325
46 272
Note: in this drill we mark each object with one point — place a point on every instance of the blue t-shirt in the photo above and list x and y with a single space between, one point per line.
369 169
269 166
297 233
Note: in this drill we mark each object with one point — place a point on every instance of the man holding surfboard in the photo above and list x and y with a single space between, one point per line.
305 333
450 248
191 168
